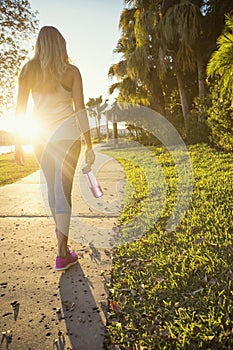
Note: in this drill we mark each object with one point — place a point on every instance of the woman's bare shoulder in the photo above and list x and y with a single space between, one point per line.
28 70
74 71
71 75
27 66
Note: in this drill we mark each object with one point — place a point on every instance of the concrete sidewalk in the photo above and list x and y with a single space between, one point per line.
43 309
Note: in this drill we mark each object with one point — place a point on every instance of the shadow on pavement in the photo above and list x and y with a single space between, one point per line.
84 325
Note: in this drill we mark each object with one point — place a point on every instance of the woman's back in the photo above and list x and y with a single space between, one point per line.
54 108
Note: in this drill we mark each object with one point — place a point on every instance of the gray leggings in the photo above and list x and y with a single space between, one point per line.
58 162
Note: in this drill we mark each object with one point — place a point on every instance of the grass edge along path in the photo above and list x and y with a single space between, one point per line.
175 290
11 172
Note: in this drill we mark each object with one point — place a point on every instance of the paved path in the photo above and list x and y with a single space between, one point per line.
43 309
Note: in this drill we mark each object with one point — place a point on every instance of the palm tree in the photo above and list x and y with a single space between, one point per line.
96 108
188 32
177 32
92 111
115 115
220 74
162 39
137 69
221 62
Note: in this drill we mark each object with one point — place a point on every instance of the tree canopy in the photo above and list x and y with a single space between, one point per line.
220 75
17 25
165 47
221 62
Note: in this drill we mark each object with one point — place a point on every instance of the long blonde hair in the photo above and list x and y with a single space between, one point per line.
50 60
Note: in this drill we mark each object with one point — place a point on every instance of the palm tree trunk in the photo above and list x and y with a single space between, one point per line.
201 77
107 130
115 134
201 86
158 102
98 127
115 131
184 100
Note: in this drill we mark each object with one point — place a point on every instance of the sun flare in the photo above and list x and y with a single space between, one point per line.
27 129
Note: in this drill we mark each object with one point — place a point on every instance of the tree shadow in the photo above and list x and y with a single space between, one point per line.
84 324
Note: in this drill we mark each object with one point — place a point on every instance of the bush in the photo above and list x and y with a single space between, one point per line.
199 131
220 119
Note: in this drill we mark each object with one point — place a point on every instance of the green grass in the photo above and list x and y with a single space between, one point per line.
175 290
11 172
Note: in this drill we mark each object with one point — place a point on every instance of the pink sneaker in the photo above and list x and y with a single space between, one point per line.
69 260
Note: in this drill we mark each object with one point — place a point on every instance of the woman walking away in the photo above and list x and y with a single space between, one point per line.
57 92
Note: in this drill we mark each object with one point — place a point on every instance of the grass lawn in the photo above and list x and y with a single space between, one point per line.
174 290
11 172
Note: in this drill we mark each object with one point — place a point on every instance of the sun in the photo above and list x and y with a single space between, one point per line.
27 129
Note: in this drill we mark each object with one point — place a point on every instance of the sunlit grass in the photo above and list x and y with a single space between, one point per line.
11 172
175 290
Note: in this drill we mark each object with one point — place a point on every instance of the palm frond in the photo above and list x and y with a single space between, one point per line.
138 64
126 17
118 69
114 87
221 62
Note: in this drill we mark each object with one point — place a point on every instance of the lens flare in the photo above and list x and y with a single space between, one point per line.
27 129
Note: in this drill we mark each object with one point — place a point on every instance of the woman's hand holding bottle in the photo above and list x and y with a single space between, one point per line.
90 156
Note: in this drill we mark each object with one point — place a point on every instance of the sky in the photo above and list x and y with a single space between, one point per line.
91 30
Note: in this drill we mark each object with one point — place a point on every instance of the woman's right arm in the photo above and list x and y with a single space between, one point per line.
21 107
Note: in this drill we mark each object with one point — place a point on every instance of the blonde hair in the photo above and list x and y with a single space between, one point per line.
50 60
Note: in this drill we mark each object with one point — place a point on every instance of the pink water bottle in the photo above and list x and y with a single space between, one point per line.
92 182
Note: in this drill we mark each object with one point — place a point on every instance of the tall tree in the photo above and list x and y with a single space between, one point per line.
140 82
17 25
177 31
163 39
220 71
113 114
96 106
212 24
221 62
